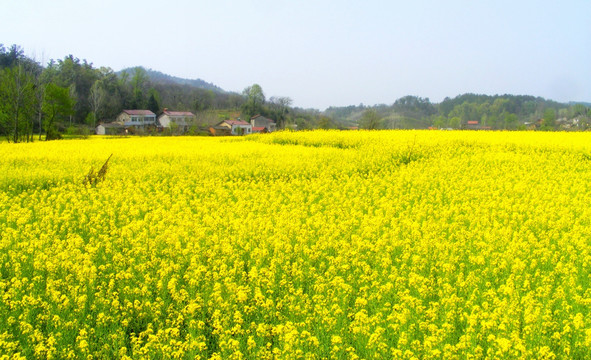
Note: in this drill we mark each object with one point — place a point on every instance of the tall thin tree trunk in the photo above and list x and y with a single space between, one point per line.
40 126
31 130
15 135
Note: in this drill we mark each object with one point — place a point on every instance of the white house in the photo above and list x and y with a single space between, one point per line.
110 129
137 118
182 119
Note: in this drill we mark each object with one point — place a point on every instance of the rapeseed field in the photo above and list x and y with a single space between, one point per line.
307 245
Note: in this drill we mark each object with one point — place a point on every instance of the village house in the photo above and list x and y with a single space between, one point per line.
235 127
110 129
475 125
529 125
262 124
137 119
182 120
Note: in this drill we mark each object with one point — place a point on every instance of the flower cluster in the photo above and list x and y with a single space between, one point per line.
311 245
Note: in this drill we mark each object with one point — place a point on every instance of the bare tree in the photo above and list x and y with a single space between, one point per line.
74 95
281 105
96 98
40 95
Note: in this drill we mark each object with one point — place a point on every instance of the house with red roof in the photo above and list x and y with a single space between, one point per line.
236 127
475 125
179 119
262 124
259 129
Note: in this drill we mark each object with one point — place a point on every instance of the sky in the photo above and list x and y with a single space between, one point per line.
324 53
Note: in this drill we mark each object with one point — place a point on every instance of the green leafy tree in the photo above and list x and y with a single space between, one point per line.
499 106
138 82
455 122
415 109
511 121
174 128
235 101
549 119
484 120
116 94
57 105
577 110
204 100
325 122
493 121
153 103
439 121
10 57
17 103
14 56
79 75
465 112
255 100
370 120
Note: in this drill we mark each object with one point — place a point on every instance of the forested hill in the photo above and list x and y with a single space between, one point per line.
158 77
509 112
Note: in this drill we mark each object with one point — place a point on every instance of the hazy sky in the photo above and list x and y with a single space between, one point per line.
324 52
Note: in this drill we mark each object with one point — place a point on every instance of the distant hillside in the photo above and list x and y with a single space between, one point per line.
161 78
584 103
507 112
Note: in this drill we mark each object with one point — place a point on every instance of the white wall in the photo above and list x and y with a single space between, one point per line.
164 121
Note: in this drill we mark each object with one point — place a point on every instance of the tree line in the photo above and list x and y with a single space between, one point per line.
72 96
498 112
